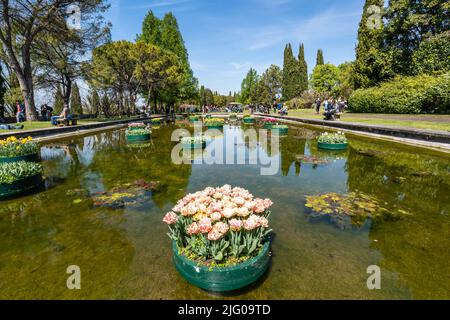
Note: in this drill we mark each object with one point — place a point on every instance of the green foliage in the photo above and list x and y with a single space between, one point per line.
12 95
138 132
290 74
433 55
325 78
332 138
320 60
75 100
415 94
302 72
13 147
94 102
214 122
372 64
248 86
11 172
58 103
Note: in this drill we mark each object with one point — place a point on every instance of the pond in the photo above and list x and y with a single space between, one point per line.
104 201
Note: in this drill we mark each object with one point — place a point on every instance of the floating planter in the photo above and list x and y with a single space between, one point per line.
137 126
220 246
19 177
333 141
15 150
194 119
249 120
348 211
138 135
156 122
280 130
233 116
193 143
215 123
269 123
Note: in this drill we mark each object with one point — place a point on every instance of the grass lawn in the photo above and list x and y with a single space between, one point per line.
421 121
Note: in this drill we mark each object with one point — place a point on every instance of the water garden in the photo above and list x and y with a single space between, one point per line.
140 226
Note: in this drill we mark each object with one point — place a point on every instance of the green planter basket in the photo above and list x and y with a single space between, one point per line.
268 126
249 120
223 279
140 137
215 127
179 118
334 146
156 122
135 128
20 186
28 158
194 145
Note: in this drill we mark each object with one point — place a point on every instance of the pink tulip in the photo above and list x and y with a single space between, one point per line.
193 229
205 225
236 225
170 218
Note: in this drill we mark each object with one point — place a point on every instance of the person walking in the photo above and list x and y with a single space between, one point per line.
20 112
318 105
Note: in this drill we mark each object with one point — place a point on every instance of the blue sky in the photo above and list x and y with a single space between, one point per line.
227 37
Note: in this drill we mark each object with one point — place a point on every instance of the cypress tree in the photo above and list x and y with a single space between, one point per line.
371 65
151 30
320 60
58 104
75 100
303 69
95 102
290 73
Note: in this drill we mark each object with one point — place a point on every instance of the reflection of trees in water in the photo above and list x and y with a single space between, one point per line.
123 163
41 236
290 149
416 246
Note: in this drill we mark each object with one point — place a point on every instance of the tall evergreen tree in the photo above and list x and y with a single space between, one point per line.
371 65
75 100
320 60
248 86
94 102
151 29
303 69
290 73
58 103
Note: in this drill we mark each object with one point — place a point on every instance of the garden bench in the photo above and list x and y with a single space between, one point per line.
68 122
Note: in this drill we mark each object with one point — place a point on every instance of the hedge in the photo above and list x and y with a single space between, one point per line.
418 94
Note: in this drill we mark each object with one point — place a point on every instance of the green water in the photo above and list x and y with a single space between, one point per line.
125 253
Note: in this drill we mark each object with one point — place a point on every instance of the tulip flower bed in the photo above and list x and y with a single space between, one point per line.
14 150
193 142
269 123
137 135
18 177
194 118
220 237
137 126
333 141
215 123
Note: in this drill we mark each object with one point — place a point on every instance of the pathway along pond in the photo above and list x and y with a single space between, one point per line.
102 211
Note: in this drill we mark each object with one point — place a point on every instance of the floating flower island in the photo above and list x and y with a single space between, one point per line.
137 126
15 150
193 143
215 123
220 238
19 177
269 123
193 119
333 141
249 120
138 135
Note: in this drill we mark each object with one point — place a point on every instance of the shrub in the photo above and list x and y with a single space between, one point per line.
13 147
11 172
418 94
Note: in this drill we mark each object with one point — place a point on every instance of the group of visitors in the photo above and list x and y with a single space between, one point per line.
331 106
20 117
46 112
